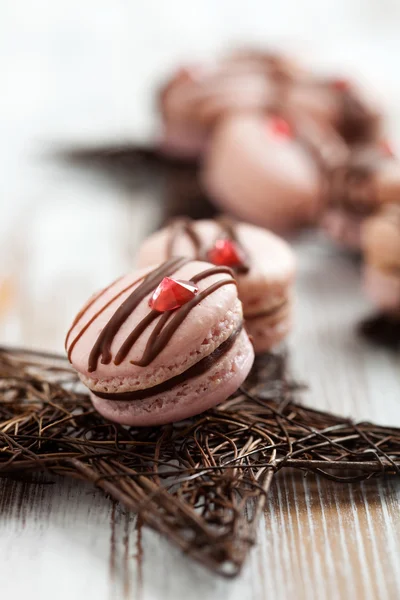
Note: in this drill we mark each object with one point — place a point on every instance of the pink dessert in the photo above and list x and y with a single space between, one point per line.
270 171
357 189
381 245
347 106
197 97
162 344
264 266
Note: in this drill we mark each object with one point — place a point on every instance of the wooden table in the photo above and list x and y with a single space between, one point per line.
65 232
316 539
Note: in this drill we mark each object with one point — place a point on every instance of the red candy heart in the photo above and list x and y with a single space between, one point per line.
171 294
281 127
227 253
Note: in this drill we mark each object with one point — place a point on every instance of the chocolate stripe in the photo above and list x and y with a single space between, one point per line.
156 344
187 227
134 335
212 271
228 228
181 227
356 123
199 368
103 343
352 188
102 309
86 308
148 319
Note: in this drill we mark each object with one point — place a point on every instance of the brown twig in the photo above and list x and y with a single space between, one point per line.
202 482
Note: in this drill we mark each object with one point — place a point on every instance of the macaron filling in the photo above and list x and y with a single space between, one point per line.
269 312
195 370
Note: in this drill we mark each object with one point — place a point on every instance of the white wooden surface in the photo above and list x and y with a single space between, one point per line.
83 72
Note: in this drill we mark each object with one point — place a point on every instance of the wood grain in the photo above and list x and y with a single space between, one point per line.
84 72
317 540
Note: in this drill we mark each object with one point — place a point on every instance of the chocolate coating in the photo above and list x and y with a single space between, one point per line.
168 322
184 226
103 343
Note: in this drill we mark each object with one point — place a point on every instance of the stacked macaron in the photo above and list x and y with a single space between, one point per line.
263 263
163 343
279 148
169 340
272 170
198 97
275 140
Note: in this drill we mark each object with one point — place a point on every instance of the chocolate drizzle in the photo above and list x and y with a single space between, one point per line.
197 369
356 122
166 326
163 331
96 315
351 187
90 303
184 226
348 184
102 346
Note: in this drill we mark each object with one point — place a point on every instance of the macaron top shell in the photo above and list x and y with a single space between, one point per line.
196 97
347 105
206 326
267 254
265 173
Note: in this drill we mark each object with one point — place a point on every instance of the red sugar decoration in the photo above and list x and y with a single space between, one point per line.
281 127
227 253
340 84
171 294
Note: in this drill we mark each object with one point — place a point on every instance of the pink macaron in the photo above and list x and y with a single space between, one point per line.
264 266
381 246
348 106
197 97
357 189
270 171
162 344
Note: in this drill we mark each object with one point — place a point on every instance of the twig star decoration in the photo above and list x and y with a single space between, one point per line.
202 482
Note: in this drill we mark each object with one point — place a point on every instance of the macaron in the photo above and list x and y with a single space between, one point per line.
196 97
357 189
264 267
270 170
347 106
162 344
381 246
275 65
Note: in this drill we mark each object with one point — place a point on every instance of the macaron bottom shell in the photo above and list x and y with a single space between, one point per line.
186 399
186 143
267 331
